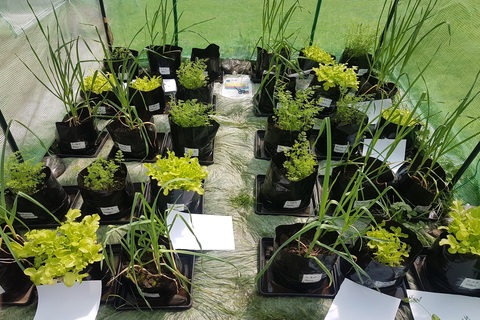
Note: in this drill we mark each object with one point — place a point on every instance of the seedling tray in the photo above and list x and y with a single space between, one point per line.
102 138
152 155
268 287
22 297
310 211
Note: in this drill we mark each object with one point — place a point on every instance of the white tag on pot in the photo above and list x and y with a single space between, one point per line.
470 284
164 70
169 86
154 107
361 72
312 278
2 291
383 284
27 215
176 206
283 148
292 204
78 145
360 203
324 102
340 148
421 208
124 147
102 110
193 152
151 295
110 210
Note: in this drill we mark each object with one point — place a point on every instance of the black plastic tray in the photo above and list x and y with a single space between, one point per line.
310 211
23 297
267 287
102 138
168 146
127 299
152 155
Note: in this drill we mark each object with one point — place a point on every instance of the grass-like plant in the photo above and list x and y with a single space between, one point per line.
177 173
191 113
295 113
315 53
23 176
300 161
62 253
337 75
360 40
386 245
463 231
146 83
192 74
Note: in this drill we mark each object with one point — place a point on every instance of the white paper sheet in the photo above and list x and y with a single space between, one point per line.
237 87
79 302
213 232
445 306
381 148
354 301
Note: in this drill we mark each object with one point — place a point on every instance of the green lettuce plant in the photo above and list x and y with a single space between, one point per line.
463 232
387 245
177 173
295 113
315 53
146 84
400 116
300 161
191 113
192 74
63 253
337 75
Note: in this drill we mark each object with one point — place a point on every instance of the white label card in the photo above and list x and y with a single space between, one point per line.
27 215
102 110
110 210
312 278
471 284
193 152
154 107
164 70
124 147
2 290
283 148
176 206
325 102
339 148
78 145
381 284
292 204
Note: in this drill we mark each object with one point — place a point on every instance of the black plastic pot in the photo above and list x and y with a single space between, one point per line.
179 200
378 177
148 103
452 273
13 282
78 139
411 187
268 62
132 142
50 194
202 94
362 62
379 275
197 140
109 204
265 101
164 60
277 193
124 68
369 86
275 138
214 65
294 271
389 130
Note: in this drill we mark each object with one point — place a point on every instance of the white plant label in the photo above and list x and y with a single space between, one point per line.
164 70
151 295
312 278
292 204
193 152
124 147
340 148
176 206
2 291
471 284
110 210
382 284
27 215
154 107
421 208
102 110
361 72
78 145
360 203
325 102
283 148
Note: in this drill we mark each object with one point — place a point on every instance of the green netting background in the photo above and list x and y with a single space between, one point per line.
221 292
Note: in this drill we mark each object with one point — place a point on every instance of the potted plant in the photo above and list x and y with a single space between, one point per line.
312 56
193 81
293 115
106 188
386 253
31 187
359 44
98 88
333 81
122 62
211 55
148 96
192 128
290 178
177 182
61 72
452 264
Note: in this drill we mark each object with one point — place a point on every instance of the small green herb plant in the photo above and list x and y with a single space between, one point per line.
97 82
360 40
337 75
146 84
300 161
346 113
177 173
463 231
192 74
387 245
295 113
400 116
191 113
315 53
101 174
23 176
63 253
